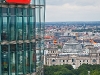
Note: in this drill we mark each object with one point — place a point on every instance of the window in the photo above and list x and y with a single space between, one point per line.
5 62
4 48
94 60
19 24
12 11
53 60
87 60
19 11
32 28
4 11
13 47
4 56
4 32
25 28
12 27
73 60
83 60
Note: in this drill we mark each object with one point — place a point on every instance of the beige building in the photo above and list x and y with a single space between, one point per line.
53 57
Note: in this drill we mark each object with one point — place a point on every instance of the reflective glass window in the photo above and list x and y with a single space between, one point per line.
42 18
38 24
20 56
12 58
25 27
33 45
4 11
32 12
32 2
12 12
19 11
32 28
13 47
4 56
27 46
37 2
12 27
25 12
19 25
27 62
33 61
28 12
27 57
42 2
4 32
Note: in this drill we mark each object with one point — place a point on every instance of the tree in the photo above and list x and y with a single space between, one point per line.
68 70
95 72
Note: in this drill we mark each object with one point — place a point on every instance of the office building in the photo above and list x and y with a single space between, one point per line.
21 37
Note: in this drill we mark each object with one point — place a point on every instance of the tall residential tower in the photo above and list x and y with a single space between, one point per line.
21 37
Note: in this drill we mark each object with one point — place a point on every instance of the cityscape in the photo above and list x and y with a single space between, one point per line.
72 43
46 37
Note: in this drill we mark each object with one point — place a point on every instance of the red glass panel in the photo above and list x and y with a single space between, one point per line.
18 1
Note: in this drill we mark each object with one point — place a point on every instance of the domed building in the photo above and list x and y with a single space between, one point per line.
72 46
53 57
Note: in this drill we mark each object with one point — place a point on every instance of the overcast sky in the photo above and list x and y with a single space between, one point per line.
72 10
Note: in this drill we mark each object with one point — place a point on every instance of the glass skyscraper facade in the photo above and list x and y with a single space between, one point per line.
22 38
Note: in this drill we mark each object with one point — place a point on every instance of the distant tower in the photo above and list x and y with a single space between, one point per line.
51 56
52 52
93 55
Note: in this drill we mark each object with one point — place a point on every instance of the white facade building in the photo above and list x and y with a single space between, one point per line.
53 57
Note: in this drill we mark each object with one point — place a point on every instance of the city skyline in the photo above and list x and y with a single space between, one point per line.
72 10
